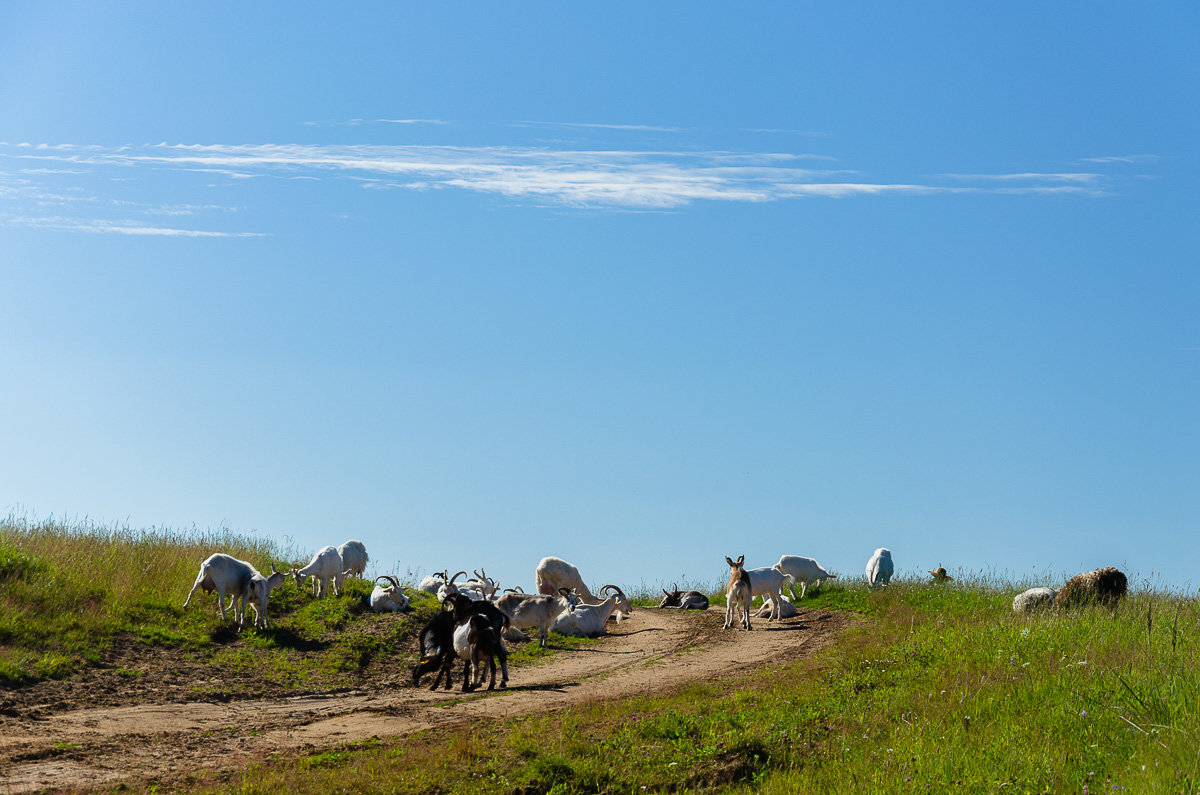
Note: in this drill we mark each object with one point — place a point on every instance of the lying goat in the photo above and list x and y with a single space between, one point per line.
590 619
684 600
390 598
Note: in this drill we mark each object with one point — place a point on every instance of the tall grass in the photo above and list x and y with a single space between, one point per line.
68 590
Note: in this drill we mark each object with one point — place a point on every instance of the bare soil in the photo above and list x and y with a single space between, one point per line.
141 722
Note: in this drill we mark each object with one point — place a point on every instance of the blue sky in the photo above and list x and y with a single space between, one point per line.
640 286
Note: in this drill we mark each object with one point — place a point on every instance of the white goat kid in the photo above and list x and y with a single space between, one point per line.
226 574
389 598
554 573
805 571
325 568
590 619
528 610
354 558
880 568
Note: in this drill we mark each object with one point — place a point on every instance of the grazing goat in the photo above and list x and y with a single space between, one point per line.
226 574
1103 586
880 568
527 610
554 573
939 575
738 592
388 598
354 558
590 619
768 581
683 600
1033 599
805 571
325 568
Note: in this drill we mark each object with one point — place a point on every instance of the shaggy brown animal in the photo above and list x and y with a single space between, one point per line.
1103 586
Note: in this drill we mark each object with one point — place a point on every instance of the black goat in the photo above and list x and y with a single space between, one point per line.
436 645
684 600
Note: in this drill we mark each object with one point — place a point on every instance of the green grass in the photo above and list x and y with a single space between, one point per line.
68 592
938 688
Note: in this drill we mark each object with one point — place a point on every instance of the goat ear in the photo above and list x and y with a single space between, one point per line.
741 559
729 561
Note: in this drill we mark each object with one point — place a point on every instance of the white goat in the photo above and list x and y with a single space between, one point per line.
768 581
226 574
1034 598
354 558
390 598
805 571
787 608
590 619
325 568
880 568
482 584
528 610
432 582
448 588
554 573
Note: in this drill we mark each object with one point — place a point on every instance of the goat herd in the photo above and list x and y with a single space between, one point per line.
475 621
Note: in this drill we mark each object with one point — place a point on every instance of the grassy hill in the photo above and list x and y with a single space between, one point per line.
938 688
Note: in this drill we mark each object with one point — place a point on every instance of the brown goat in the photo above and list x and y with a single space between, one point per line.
737 593
1103 587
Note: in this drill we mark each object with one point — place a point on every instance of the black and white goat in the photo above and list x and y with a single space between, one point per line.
684 600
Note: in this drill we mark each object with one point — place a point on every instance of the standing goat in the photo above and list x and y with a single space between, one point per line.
738 592
554 573
325 568
768 581
354 558
476 640
226 574
528 610
805 571
880 568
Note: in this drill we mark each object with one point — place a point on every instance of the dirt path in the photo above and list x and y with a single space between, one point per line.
653 650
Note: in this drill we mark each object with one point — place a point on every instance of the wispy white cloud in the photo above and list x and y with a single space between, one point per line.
46 188
127 227
600 126
1121 159
1028 177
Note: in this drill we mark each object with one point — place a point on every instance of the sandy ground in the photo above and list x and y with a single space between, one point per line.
55 747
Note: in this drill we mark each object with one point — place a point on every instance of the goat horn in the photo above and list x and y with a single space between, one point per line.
478 576
455 577
390 577
615 588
